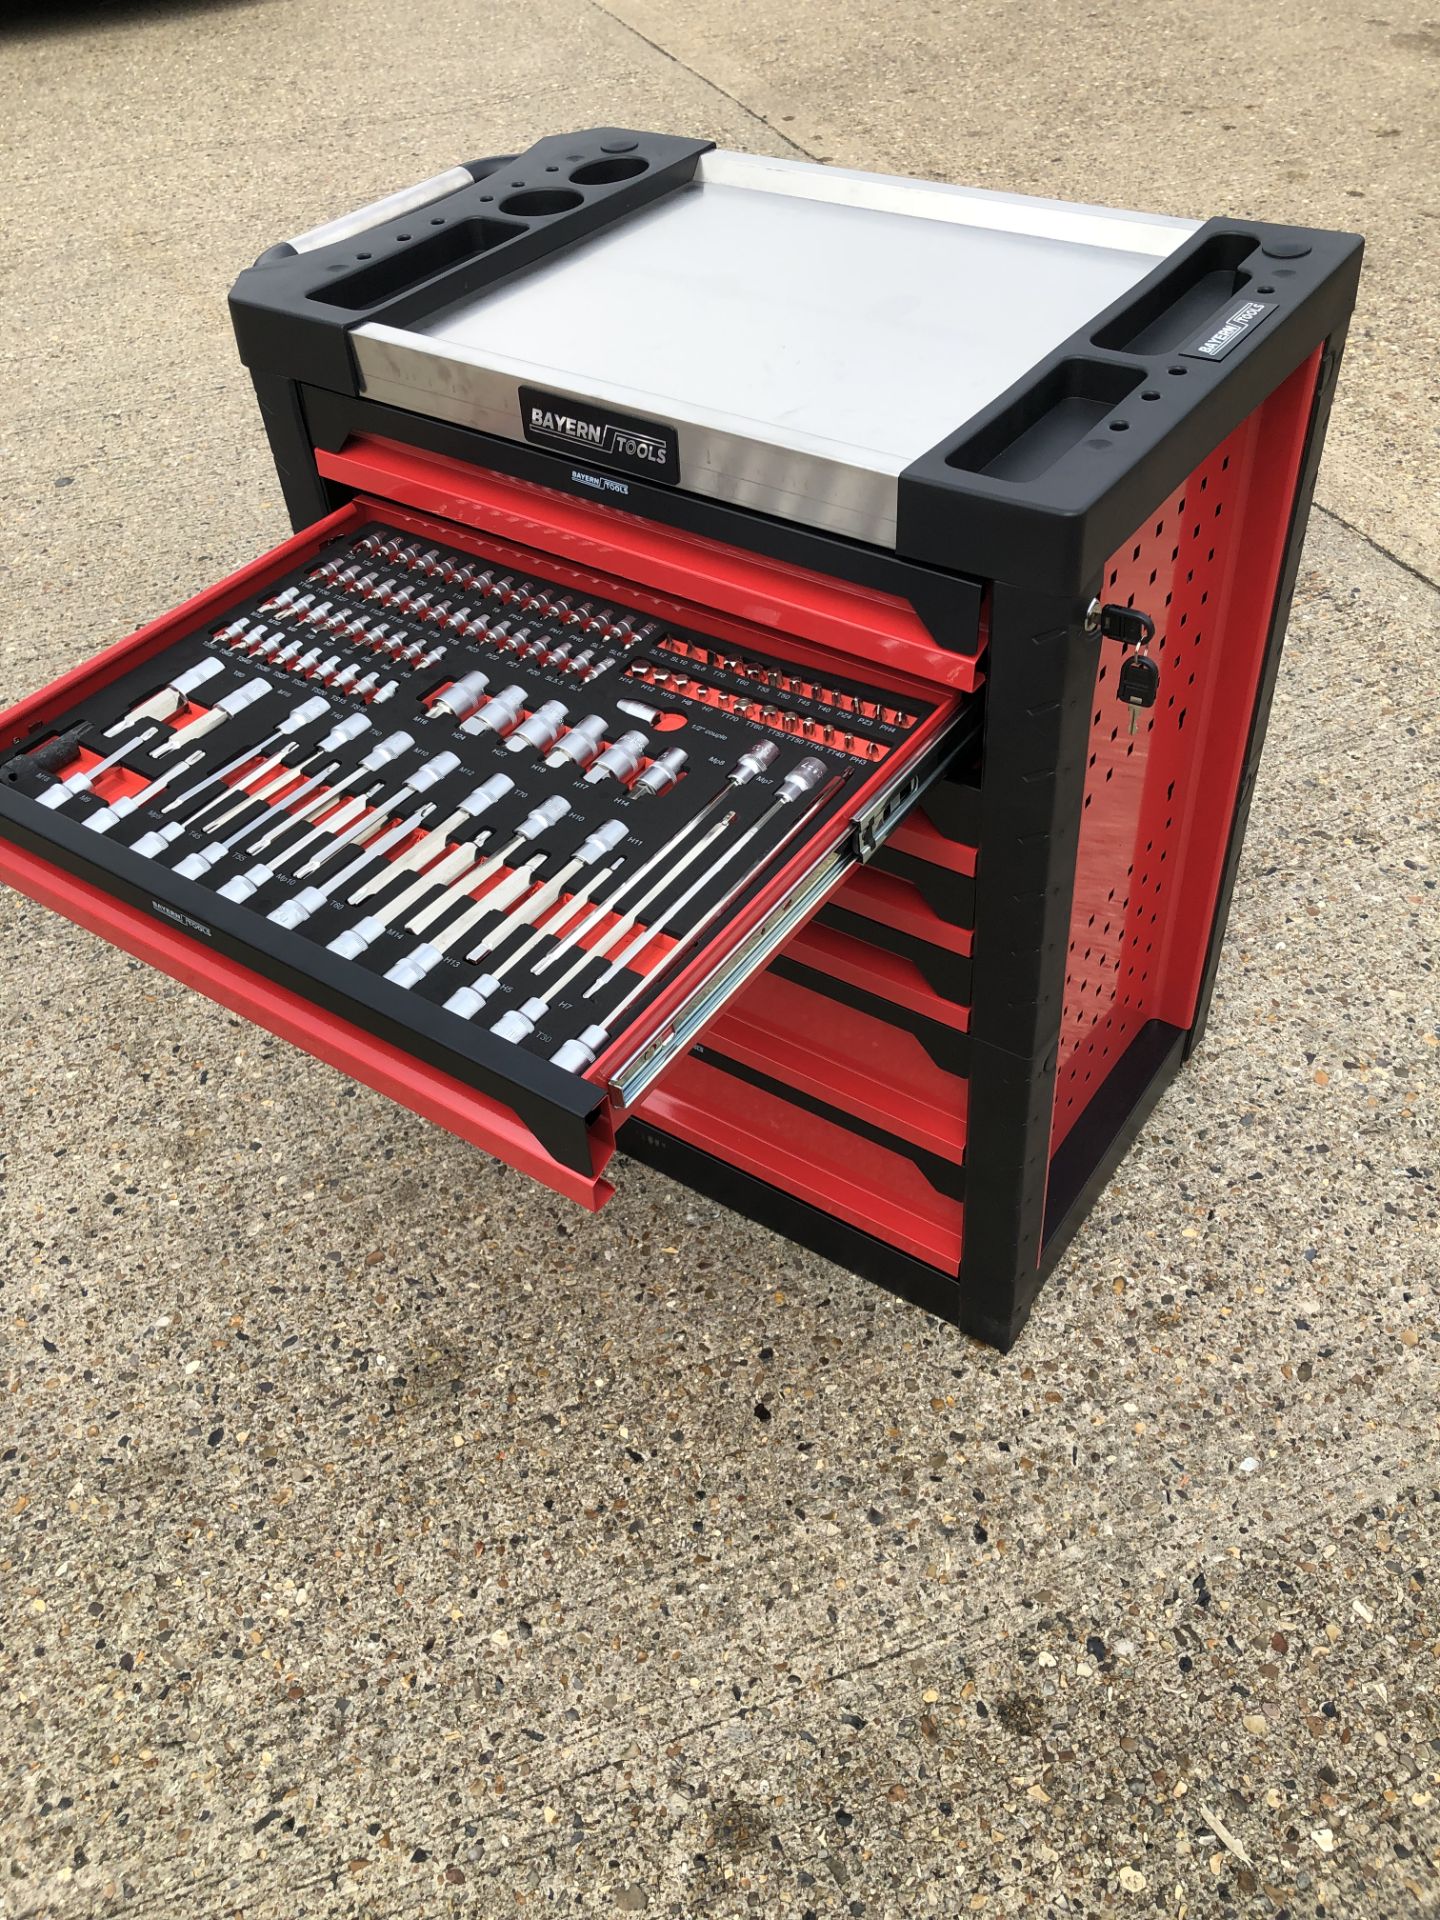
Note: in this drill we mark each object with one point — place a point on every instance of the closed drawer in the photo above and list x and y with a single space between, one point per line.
759 1131
894 977
941 916
942 963
920 838
855 1062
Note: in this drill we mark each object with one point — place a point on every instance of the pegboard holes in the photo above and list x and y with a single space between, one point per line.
1132 785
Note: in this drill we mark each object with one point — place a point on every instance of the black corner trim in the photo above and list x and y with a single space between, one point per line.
1106 1131
1079 1172
1042 672
482 169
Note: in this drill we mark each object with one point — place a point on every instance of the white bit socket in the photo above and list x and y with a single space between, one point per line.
499 715
582 1052
662 774
410 971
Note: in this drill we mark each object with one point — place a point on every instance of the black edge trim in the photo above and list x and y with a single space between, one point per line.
307 499
948 1047
1042 670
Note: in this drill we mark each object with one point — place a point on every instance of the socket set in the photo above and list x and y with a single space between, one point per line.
849 718
423 781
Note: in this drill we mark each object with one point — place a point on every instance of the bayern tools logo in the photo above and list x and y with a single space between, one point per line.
1216 342
642 447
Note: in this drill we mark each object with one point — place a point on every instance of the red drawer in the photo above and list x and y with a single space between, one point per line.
895 903
816 1160
555 1121
851 1060
888 975
919 837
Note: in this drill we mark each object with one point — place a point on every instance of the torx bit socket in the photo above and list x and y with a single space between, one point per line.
170 699
540 820
467 1001
421 781
224 709
305 715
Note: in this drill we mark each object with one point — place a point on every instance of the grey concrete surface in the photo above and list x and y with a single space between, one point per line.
380 1536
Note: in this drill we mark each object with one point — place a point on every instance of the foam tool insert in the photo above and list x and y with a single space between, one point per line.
417 781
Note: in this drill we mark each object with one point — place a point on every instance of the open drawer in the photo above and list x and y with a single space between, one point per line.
384 785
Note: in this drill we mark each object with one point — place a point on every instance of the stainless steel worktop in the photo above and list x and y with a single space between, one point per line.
808 331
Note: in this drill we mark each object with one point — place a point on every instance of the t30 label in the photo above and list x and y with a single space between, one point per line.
1216 342
613 439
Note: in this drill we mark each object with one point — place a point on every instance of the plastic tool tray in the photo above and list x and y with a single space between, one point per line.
388 624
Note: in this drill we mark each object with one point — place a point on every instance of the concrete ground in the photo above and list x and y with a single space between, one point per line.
381 1536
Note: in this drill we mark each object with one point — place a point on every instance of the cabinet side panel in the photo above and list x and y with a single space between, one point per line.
1159 800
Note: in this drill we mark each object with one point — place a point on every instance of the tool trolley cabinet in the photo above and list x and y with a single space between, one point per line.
769 671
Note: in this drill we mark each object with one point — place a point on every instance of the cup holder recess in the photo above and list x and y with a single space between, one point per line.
604 173
542 200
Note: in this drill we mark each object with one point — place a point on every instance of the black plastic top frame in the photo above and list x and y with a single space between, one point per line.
1041 486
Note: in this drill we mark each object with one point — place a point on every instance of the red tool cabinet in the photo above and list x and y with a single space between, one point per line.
1031 480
